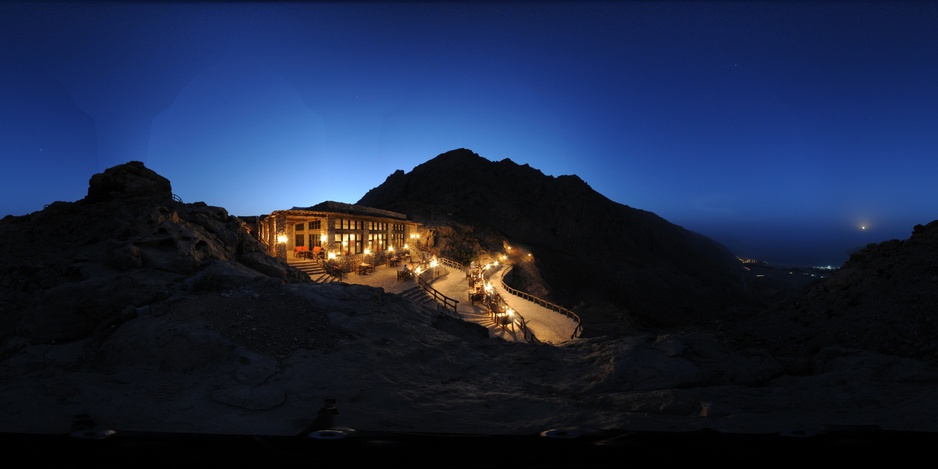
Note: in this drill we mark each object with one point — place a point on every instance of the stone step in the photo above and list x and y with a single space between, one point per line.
314 270
417 296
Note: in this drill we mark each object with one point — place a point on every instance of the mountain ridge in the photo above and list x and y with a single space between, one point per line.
595 256
146 314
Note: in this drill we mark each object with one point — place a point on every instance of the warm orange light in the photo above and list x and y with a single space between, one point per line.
282 239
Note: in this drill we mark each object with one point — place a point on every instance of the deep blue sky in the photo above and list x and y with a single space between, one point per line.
777 129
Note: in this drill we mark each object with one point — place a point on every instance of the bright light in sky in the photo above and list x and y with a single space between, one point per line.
771 127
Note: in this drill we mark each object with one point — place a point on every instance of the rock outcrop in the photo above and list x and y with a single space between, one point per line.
76 267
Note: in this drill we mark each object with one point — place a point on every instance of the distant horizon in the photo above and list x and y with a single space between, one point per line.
833 252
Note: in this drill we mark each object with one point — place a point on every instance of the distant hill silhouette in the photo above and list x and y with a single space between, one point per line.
884 298
611 263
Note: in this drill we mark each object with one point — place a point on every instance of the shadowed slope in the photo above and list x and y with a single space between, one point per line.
609 261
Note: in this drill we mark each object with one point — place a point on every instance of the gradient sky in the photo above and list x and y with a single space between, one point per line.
777 129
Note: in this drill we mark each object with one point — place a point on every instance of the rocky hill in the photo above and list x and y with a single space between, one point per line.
77 268
616 266
884 298
131 311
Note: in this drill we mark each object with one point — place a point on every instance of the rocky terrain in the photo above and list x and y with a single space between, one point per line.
618 266
884 298
135 311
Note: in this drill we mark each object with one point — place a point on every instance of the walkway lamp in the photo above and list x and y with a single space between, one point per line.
433 264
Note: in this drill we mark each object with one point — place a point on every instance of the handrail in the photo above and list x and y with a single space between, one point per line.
551 306
450 263
447 301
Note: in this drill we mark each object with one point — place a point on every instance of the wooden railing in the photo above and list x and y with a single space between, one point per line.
551 306
451 263
446 301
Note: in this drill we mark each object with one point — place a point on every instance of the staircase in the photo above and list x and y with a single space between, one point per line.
314 270
417 295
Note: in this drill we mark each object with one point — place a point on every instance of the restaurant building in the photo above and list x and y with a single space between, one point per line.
334 228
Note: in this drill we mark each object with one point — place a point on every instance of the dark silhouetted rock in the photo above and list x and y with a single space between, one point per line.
131 179
611 263
884 298
141 314
76 267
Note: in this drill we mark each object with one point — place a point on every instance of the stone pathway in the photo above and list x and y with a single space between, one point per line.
547 325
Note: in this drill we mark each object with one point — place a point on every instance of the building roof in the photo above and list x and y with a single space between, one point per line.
352 209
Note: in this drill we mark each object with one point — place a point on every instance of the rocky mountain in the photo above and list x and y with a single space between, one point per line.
614 265
132 311
75 268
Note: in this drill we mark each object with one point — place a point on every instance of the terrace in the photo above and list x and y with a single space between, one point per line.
505 312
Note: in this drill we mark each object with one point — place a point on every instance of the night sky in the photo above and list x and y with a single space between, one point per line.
792 132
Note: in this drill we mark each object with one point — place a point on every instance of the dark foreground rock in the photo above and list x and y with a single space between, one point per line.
138 313
77 268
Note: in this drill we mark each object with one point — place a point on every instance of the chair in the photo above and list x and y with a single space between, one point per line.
300 251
